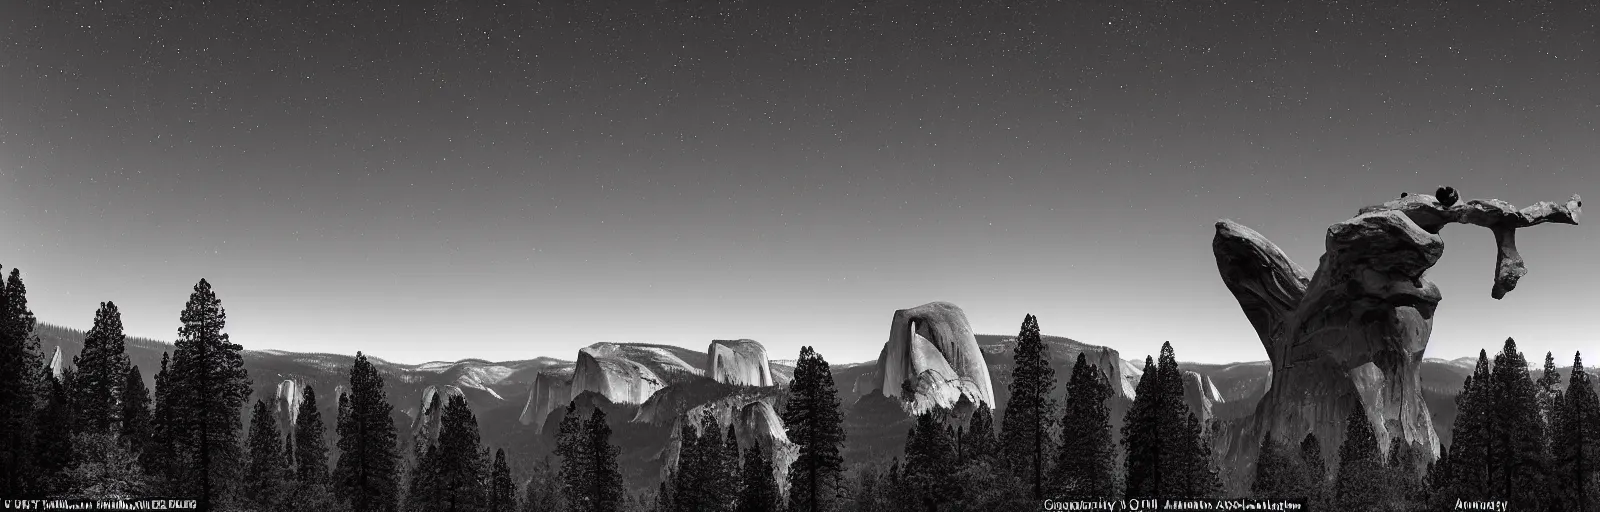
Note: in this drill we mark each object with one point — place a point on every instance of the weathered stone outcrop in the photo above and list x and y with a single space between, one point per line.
551 389
931 348
1353 334
739 362
54 363
623 373
1199 394
1111 364
286 402
425 425
753 422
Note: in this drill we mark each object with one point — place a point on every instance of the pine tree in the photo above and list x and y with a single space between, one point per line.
576 462
606 488
759 489
458 485
1025 438
930 462
1269 481
1086 466
1200 479
502 489
209 389
1470 435
1360 483
101 373
135 411
263 475
366 473
543 490
1141 439
813 421
1576 444
52 443
1549 397
160 456
1517 441
310 442
1314 483
20 387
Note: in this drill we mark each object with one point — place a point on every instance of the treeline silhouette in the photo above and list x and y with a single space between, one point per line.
96 432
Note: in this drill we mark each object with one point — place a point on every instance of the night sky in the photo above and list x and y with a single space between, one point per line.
520 180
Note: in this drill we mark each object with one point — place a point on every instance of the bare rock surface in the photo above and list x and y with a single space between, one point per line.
1353 333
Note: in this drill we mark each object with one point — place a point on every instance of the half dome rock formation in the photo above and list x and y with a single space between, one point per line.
931 349
1353 334
738 362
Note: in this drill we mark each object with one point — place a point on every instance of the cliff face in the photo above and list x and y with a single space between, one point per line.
1199 394
624 373
1353 334
620 380
286 404
754 421
932 348
551 389
739 362
425 425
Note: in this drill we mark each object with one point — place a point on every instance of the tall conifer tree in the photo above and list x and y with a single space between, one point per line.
20 387
1141 439
930 462
459 484
210 387
1025 430
160 455
101 373
978 441
1315 481
264 472
1470 435
1517 438
577 468
53 450
310 442
502 489
1086 466
813 421
1576 444
135 427
1360 482
607 491
759 489
367 471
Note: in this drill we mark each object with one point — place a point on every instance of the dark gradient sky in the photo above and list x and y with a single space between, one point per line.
524 179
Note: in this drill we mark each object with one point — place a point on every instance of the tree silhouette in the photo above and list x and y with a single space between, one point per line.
135 411
366 473
1360 484
20 387
101 372
814 423
502 489
1576 444
759 491
1025 437
264 475
209 387
1086 467
929 471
